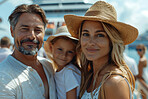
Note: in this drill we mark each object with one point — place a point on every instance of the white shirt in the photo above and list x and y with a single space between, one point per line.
18 81
4 52
67 79
131 63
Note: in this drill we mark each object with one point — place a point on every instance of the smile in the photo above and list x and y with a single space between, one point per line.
62 60
91 50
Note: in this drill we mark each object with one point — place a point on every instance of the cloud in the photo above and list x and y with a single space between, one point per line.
133 12
18 2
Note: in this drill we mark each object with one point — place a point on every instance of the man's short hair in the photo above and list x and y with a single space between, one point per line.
24 8
5 41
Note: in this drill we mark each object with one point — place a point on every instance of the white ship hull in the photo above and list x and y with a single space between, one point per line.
56 9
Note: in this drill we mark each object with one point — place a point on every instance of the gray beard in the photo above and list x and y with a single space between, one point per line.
26 52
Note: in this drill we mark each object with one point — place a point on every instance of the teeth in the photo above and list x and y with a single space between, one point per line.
30 46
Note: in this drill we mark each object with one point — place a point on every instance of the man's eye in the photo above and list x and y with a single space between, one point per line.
24 29
38 30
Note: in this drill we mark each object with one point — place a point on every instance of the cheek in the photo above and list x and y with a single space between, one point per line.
17 38
83 42
40 37
55 52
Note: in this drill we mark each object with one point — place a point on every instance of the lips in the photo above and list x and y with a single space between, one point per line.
92 50
62 60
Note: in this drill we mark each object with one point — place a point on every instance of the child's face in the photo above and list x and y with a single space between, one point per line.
63 51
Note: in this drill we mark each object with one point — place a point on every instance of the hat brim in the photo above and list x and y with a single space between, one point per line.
50 38
127 32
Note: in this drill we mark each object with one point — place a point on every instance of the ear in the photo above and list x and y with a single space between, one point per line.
12 33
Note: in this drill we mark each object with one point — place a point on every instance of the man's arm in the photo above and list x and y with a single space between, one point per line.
7 87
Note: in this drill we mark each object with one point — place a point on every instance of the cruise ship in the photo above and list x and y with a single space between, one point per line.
56 9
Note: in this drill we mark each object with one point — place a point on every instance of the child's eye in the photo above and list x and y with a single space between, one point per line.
71 52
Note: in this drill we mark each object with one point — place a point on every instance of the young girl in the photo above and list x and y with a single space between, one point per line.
60 48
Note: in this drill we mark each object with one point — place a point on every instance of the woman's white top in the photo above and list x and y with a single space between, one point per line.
95 93
67 79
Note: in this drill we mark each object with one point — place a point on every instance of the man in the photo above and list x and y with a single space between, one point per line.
5 48
131 63
24 75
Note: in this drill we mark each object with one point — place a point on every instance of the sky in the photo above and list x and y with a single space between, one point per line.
133 12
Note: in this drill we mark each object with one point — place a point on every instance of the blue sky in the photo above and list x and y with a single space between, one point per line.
134 12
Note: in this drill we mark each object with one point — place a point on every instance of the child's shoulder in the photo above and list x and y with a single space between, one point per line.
70 68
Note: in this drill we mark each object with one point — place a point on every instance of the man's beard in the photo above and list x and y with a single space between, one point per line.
28 52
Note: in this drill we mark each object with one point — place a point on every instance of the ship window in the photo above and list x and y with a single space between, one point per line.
69 10
72 3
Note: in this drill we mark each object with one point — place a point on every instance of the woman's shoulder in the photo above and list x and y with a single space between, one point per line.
114 80
117 86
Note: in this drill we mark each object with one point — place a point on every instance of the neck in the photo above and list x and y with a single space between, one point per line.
141 56
99 64
60 68
29 60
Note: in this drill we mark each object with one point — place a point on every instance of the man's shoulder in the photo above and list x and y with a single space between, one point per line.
44 60
4 65
7 65
46 63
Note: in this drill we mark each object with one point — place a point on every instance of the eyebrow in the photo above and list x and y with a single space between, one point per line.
95 32
100 31
28 26
24 26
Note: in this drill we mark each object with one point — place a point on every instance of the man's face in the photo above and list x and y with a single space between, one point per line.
28 33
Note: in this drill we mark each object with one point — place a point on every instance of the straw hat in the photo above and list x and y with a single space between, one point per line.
61 32
103 12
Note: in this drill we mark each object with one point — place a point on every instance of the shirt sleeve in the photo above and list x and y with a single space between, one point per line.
7 87
71 81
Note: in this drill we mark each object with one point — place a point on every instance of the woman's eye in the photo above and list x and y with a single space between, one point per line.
85 34
59 49
100 35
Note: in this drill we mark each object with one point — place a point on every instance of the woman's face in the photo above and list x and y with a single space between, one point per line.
95 42
140 50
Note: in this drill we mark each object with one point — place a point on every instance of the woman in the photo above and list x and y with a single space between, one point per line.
101 44
141 50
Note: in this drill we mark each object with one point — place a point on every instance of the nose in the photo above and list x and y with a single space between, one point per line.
32 35
91 41
64 54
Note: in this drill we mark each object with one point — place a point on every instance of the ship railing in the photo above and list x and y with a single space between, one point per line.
141 86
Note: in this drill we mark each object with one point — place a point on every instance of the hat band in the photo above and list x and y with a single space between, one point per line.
63 34
101 15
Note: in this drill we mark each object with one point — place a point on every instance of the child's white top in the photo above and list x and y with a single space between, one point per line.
67 79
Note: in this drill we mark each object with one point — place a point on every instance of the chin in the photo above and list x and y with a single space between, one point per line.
90 58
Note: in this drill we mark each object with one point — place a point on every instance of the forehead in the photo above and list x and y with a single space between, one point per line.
64 43
139 46
30 19
92 24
